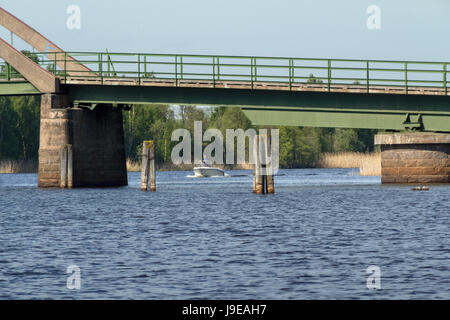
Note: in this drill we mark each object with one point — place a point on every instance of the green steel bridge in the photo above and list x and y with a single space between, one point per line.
82 93
377 94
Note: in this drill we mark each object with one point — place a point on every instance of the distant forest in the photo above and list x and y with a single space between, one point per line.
299 147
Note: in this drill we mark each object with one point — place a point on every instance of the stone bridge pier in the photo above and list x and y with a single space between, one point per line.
420 158
97 142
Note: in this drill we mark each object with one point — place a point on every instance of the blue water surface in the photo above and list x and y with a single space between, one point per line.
211 238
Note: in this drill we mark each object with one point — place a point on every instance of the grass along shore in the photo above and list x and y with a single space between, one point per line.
18 166
369 164
135 166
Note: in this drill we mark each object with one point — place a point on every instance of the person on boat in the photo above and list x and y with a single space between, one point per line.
205 163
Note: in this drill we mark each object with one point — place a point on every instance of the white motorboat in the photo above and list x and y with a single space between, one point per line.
205 171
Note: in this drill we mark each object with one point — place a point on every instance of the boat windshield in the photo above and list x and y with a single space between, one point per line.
205 163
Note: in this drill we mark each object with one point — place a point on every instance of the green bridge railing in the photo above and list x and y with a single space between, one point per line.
285 71
8 73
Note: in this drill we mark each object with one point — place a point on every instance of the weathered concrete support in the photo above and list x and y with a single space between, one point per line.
98 147
94 140
42 44
39 77
54 134
414 157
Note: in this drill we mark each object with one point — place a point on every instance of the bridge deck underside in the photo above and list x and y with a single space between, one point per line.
276 104
272 103
17 87
258 85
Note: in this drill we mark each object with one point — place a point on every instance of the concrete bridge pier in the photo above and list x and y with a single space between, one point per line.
97 140
419 158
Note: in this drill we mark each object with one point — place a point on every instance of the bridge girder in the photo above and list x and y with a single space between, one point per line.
17 88
343 109
284 108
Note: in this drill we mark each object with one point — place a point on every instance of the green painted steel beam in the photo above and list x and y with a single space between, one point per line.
265 98
294 108
13 88
336 119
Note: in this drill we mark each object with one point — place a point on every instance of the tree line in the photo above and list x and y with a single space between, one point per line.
299 147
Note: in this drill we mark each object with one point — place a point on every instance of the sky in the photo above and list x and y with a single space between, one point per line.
410 29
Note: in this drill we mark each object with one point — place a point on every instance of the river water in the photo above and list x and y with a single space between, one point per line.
213 239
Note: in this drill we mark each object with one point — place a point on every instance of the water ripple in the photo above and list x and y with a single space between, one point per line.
212 238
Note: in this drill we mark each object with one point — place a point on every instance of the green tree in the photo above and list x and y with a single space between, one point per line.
223 118
28 111
19 128
347 140
9 131
189 114
149 122
313 79
299 147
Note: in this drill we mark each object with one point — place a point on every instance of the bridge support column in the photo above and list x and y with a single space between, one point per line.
98 152
420 158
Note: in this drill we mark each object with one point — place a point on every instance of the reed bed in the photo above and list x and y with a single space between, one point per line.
18 166
135 166
369 164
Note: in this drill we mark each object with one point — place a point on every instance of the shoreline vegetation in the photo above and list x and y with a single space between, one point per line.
18 166
369 164
135 166
300 147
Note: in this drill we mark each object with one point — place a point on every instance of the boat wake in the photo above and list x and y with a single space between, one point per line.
226 175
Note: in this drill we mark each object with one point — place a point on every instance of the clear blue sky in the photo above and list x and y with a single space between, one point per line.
411 29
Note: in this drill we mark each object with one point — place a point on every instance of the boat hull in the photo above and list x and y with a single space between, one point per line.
205 172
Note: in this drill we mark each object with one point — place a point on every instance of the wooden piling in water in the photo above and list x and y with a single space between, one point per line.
259 188
270 183
152 167
63 164
263 180
69 166
148 166
254 179
66 165
259 179
145 165
254 149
